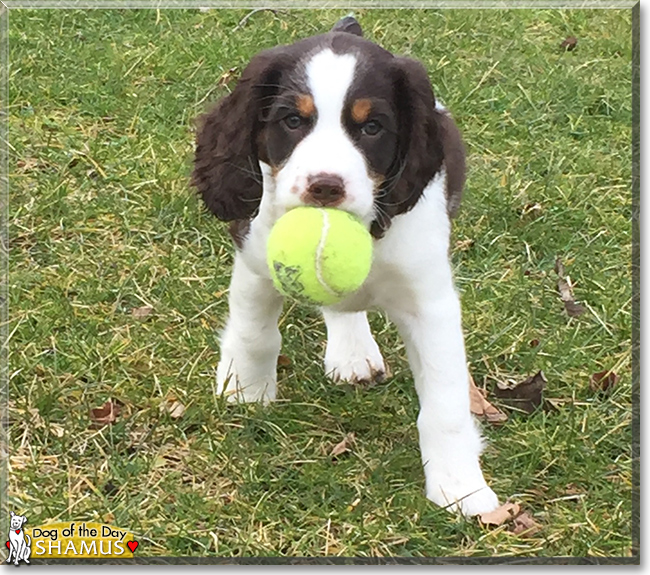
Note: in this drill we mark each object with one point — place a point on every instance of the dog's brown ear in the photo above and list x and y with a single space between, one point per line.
427 136
454 155
226 167
420 152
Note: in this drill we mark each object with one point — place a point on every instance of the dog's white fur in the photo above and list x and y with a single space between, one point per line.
411 279
18 545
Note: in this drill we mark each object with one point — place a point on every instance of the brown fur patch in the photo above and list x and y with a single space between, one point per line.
361 110
238 231
305 105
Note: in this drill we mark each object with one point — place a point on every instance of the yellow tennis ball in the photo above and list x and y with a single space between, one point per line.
319 255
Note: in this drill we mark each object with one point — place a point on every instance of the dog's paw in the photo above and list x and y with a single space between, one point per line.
358 370
238 389
361 367
459 495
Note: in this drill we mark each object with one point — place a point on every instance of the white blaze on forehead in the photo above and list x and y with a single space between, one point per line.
329 76
327 148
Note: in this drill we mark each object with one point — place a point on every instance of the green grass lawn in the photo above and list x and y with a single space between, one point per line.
102 221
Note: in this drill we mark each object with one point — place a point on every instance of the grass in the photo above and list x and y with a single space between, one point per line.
101 109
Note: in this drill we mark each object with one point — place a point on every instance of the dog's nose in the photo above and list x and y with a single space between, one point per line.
325 190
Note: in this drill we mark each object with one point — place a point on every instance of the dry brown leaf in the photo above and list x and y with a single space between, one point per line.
524 525
573 308
569 43
106 414
283 360
603 381
141 312
573 489
526 395
464 245
57 429
501 514
173 407
108 517
518 522
227 77
566 293
553 404
531 209
482 407
342 446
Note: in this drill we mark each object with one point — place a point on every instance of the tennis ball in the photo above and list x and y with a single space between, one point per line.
319 255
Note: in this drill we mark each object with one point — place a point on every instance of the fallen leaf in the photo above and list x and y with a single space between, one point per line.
573 489
353 505
464 245
57 429
574 309
284 361
534 209
108 517
141 312
227 77
524 525
343 445
173 407
481 407
566 293
603 381
565 288
569 43
525 395
106 414
518 522
501 514
553 404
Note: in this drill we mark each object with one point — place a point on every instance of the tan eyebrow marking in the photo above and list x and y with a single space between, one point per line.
361 110
305 105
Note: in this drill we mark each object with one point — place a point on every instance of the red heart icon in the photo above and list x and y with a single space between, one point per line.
8 545
17 531
132 545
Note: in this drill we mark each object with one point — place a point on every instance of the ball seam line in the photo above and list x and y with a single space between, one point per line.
319 253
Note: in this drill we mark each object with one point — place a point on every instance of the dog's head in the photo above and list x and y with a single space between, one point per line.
333 120
17 521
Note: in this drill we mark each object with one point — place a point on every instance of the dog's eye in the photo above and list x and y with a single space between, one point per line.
293 121
371 128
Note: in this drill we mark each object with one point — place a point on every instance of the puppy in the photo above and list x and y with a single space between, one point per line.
335 120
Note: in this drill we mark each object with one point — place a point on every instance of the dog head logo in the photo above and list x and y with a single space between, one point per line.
19 543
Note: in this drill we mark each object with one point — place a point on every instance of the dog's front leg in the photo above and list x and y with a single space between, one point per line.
352 354
19 552
251 341
450 442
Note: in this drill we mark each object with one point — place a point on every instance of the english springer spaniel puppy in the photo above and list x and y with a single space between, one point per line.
335 120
